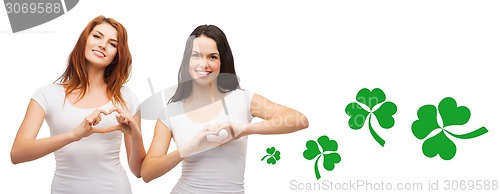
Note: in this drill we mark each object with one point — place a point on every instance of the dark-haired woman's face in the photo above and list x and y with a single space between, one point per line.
101 47
205 60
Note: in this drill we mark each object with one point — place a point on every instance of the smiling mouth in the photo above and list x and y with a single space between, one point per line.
99 53
203 73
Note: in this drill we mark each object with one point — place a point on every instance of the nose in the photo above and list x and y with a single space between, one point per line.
102 44
203 63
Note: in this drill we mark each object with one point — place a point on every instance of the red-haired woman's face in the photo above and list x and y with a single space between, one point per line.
101 47
205 60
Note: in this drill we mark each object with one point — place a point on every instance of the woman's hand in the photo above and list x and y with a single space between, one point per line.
201 142
126 123
234 130
87 128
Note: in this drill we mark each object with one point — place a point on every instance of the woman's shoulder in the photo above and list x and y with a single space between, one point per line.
49 88
49 95
125 89
174 105
127 92
130 97
240 95
240 92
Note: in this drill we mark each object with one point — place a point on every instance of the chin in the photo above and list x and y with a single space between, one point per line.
201 81
99 64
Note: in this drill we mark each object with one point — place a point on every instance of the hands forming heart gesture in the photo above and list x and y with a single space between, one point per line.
126 124
212 136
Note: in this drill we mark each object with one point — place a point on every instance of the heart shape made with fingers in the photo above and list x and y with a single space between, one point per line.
219 137
122 118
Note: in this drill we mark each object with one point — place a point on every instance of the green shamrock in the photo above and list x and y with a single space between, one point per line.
384 112
329 148
440 143
273 154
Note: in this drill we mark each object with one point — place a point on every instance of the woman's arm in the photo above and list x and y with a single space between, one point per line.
157 161
277 119
135 147
27 148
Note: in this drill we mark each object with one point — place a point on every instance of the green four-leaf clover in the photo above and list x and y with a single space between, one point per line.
272 156
384 112
328 151
440 143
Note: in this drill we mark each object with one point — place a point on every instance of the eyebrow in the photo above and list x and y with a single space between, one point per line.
208 54
103 35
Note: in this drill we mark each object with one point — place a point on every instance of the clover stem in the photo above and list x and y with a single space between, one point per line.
374 134
476 133
316 170
264 157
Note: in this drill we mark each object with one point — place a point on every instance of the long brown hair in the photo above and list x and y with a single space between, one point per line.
227 80
115 75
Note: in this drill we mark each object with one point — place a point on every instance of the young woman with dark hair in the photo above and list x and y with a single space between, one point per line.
209 118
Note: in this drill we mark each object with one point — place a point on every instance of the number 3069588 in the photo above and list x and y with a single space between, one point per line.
32 8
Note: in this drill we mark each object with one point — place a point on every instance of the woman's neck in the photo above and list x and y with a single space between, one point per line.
204 94
96 78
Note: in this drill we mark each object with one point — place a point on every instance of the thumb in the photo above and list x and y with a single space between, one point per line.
105 130
99 130
89 121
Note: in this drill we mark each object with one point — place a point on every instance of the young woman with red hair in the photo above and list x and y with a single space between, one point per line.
87 113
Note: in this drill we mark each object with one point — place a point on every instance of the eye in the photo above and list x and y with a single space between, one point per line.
214 57
195 55
97 36
113 45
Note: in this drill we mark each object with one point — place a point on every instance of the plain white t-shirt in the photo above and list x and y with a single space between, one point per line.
217 170
91 165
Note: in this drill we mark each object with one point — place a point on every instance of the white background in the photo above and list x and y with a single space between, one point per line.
311 56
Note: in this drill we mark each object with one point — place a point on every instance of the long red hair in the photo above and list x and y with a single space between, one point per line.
75 77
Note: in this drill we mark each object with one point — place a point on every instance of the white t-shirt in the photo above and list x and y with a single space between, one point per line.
91 165
217 170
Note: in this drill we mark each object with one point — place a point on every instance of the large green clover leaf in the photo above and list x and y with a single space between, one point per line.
370 98
440 143
329 148
427 121
451 114
358 115
328 151
384 113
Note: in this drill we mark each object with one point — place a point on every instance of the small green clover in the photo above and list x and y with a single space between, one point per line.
273 154
384 112
329 148
440 143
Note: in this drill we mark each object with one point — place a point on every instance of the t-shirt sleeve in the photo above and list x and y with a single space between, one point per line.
248 101
131 99
164 118
40 97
